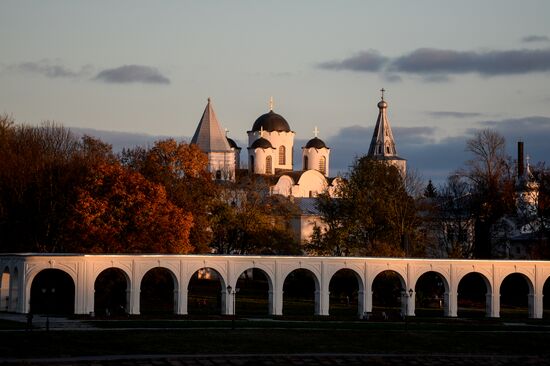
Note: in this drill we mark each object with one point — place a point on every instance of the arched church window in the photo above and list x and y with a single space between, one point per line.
268 165
251 164
388 149
282 155
306 163
323 164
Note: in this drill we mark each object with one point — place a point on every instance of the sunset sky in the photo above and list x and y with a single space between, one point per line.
147 67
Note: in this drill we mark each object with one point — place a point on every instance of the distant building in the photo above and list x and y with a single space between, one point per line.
270 154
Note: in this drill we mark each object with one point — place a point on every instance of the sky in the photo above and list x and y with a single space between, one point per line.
134 71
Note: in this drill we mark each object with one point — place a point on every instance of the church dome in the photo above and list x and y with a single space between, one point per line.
316 143
382 104
232 143
271 122
261 143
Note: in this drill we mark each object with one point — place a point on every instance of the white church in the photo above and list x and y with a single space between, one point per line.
270 153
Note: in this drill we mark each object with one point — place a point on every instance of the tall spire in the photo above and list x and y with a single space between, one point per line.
209 136
382 146
382 143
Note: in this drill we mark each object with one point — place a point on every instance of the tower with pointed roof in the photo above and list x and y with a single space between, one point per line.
211 139
382 146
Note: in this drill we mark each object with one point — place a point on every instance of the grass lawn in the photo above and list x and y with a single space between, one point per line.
429 335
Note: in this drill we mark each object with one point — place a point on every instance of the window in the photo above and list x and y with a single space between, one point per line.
282 155
306 163
251 167
323 165
218 174
388 149
268 164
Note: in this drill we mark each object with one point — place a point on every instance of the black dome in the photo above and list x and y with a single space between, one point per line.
316 143
232 143
261 143
271 122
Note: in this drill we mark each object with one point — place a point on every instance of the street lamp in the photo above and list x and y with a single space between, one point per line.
232 293
48 295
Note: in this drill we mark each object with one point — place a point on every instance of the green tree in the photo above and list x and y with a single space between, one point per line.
373 215
247 219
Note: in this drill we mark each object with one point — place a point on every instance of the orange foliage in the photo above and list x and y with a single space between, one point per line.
119 211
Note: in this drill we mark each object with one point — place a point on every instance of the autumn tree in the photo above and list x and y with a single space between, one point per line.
119 211
38 176
181 169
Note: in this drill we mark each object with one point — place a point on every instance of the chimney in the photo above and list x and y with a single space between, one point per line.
520 160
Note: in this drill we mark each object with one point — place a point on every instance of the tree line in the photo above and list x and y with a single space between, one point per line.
62 193
480 211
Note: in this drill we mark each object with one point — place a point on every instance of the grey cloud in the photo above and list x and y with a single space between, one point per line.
48 68
392 78
370 60
437 78
430 61
535 38
132 74
435 65
452 114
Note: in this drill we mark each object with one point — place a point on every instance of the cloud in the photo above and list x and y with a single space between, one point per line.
48 68
435 65
452 114
535 38
132 74
435 61
369 61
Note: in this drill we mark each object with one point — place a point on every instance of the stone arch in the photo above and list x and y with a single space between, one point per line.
301 291
111 292
345 298
5 289
158 291
207 292
52 291
546 298
516 294
389 293
469 297
431 293
253 292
